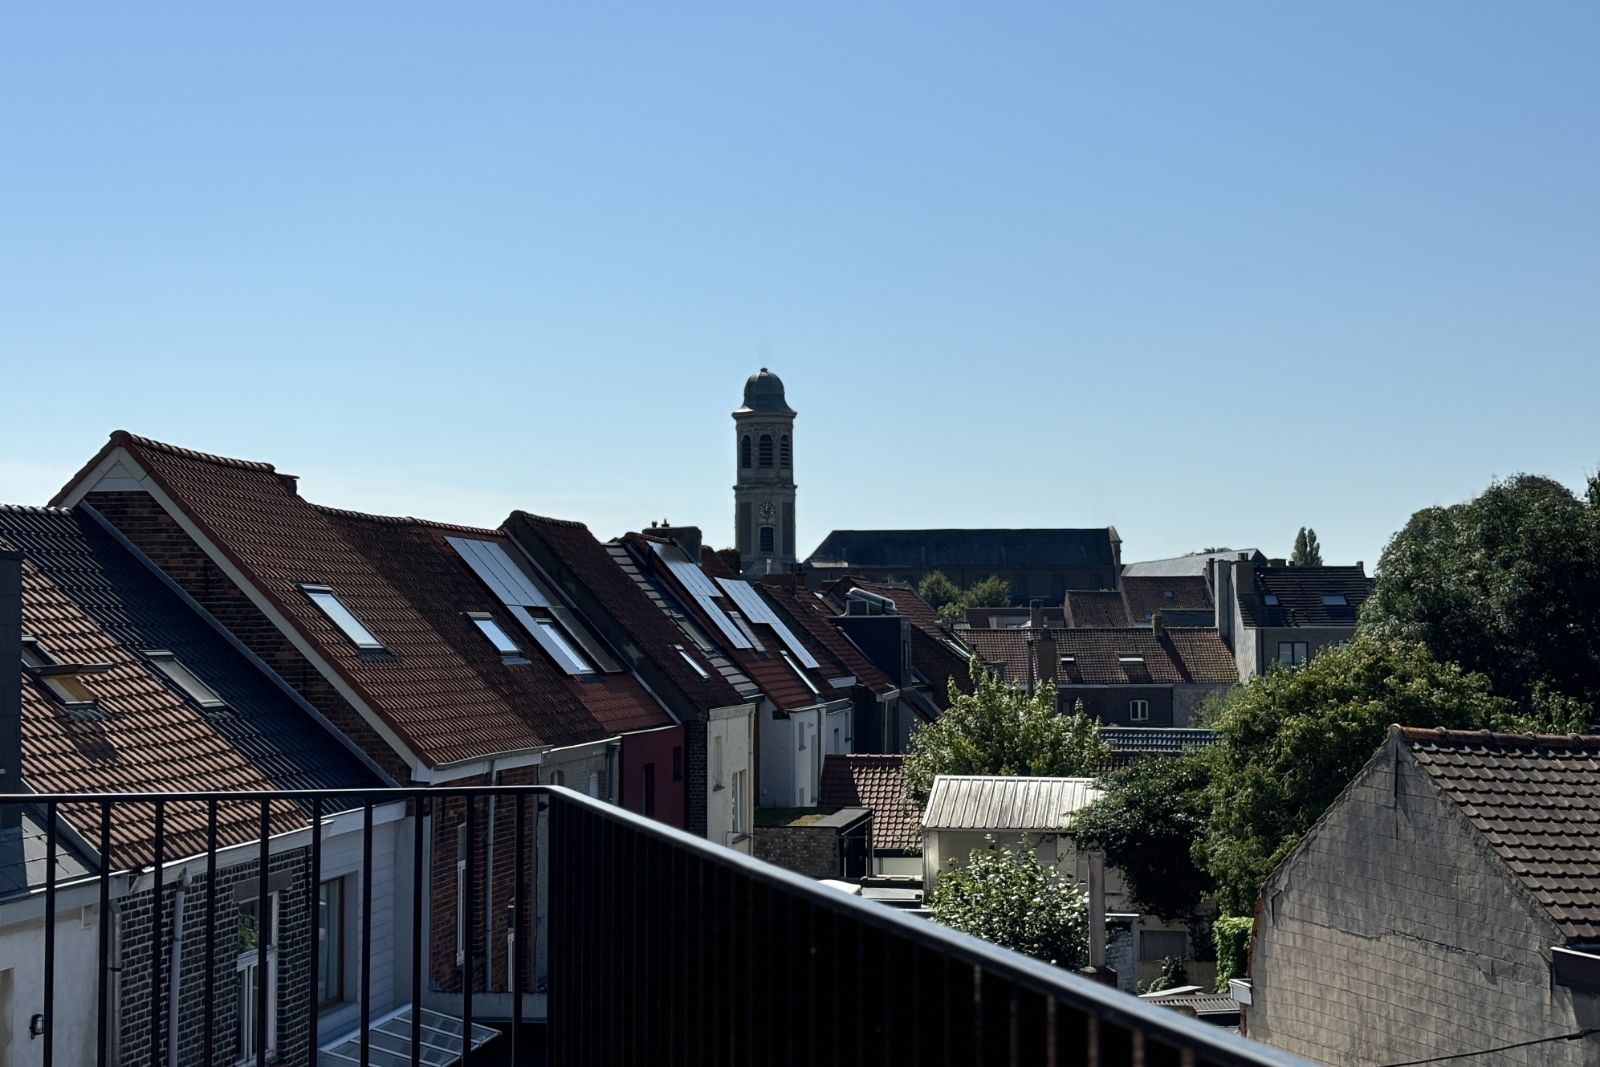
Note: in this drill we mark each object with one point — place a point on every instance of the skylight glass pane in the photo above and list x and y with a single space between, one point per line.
185 679
1333 600
798 673
1272 600
497 637
32 654
690 660
562 649
341 616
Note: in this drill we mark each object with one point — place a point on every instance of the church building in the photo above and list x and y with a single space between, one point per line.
764 490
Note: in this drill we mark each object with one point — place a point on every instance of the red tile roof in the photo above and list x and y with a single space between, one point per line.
906 602
1178 656
1098 610
878 784
811 620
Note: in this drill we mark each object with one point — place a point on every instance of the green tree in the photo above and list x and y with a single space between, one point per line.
1307 552
1293 738
1147 821
1231 936
993 592
1009 898
999 729
938 590
1506 584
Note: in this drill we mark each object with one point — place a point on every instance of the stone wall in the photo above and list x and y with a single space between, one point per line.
809 850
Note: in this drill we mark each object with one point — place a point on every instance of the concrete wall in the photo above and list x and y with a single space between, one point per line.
1264 642
1392 933
1111 704
790 775
730 731
22 987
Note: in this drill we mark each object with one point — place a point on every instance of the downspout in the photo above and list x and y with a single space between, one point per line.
175 967
488 888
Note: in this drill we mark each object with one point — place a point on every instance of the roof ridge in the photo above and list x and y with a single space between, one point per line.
1440 733
529 516
123 437
404 520
36 509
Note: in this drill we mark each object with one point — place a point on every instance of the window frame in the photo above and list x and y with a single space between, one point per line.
487 625
1135 707
744 452
350 625
337 938
174 670
1299 653
767 539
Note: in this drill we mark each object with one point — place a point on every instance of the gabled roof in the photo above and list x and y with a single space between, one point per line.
906 602
436 684
1300 593
1177 656
651 631
88 600
809 617
1536 801
966 548
982 802
875 782
1194 564
1095 609
1145 596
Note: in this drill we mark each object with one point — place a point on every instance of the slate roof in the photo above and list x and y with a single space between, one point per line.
983 802
87 599
875 782
1536 801
1174 657
1193 564
1128 742
1300 592
630 606
437 683
966 548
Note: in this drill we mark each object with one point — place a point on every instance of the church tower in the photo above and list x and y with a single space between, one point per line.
763 495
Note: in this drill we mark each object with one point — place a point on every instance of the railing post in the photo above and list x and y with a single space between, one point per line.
418 804
49 932
103 978
264 932
366 932
469 926
314 910
156 953
209 1011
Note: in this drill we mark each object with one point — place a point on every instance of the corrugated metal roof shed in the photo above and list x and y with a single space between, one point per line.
976 802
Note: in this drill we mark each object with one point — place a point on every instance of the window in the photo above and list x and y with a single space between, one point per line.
1158 945
690 660
784 456
341 616
330 942
677 763
716 763
738 802
768 537
648 788
594 785
1139 711
561 649
1292 653
558 778
185 679
744 452
486 624
247 965
764 450
798 673
461 894
1272 600
62 679
32 655
1334 600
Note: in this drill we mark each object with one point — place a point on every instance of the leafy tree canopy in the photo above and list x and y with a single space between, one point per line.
993 592
1147 821
938 590
1307 552
1293 738
1011 899
1000 729
1506 584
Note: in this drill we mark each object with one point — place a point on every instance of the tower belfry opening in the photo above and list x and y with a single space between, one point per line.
763 491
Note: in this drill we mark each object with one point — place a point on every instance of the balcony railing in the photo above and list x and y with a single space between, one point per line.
658 947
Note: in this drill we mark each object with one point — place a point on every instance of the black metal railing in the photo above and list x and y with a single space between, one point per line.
652 946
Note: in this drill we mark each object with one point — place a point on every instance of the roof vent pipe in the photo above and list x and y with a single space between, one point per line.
884 603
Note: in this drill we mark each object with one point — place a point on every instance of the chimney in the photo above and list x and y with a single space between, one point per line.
10 682
1035 614
1047 659
685 537
1158 624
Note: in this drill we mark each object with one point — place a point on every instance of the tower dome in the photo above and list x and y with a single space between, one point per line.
763 391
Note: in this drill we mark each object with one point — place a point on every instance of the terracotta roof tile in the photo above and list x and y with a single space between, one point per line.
1146 596
1100 609
809 617
1178 656
878 784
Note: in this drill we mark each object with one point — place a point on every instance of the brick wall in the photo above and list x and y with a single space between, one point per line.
1394 934
809 850
155 533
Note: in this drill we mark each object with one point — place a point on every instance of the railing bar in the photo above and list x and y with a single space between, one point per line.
366 938
103 979
314 910
208 1041
470 924
519 908
49 931
155 921
264 932
416 928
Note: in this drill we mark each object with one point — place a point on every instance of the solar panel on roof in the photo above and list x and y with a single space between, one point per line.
694 580
499 572
758 610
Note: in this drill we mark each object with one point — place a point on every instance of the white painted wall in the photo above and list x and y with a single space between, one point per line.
730 740
341 858
22 983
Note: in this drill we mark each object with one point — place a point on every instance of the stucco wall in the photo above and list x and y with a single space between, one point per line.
731 730
22 982
1393 934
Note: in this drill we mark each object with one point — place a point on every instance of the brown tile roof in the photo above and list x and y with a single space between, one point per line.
1300 592
940 664
811 620
651 631
985 618
875 783
1536 801
434 684
87 600
1146 596
1098 610
906 602
1178 656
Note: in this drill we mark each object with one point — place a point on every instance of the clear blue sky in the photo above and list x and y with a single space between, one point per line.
1206 271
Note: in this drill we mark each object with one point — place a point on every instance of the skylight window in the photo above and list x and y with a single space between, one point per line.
342 617
561 650
32 654
62 679
690 660
497 636
798 673
1272 600
185 679
1333 600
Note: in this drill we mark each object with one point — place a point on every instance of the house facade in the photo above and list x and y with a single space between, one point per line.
1444 904
1269 612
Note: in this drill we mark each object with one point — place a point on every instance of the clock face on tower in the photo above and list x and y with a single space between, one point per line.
767 511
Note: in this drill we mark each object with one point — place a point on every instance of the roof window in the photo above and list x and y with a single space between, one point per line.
690 660
330 605
798 673
185 679
1272 600
490 628
561 650
62 679
1333 600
